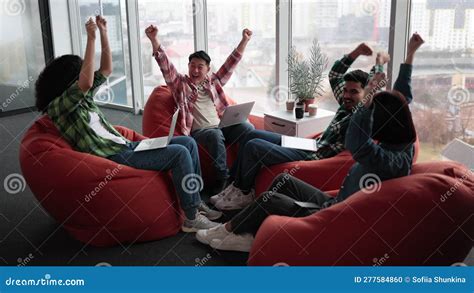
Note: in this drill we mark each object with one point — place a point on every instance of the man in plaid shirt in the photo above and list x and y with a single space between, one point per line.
202 101
263 148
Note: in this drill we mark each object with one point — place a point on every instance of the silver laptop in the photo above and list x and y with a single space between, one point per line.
300 143
236 114
159 142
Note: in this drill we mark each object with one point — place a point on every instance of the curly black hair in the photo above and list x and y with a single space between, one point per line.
56 78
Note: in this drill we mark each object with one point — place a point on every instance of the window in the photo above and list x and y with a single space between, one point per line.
174 19
117 89
443 107
254 77
21 53
339 27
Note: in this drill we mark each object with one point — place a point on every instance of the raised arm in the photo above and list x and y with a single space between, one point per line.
340 67
106 66
225 71
403 82
86 78
167 68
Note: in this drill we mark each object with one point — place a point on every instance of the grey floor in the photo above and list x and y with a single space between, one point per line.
29 236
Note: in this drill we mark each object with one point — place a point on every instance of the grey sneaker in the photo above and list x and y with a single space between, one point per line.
208 212
229 191
237 201
205 236
199 223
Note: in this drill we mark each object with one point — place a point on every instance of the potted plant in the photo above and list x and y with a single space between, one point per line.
306 76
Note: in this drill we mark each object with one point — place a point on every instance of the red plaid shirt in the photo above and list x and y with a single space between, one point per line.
185 91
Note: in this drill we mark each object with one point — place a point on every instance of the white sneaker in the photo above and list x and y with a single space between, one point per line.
227 192
236 202
199 223
205 236
234 242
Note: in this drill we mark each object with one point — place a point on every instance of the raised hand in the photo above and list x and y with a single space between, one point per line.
414 43
382 58
91 27
361 49
101 23
151 32
246 34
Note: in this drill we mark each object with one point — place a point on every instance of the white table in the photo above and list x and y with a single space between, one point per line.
285 122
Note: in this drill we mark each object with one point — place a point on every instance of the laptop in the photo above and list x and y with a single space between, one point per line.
236 114
300 143
159 142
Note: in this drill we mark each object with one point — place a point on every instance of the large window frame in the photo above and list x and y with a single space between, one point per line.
399 24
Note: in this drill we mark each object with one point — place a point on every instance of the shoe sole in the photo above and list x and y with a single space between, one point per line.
188 229
213 218
240 249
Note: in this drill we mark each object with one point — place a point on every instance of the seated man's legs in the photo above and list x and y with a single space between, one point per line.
212 140
262 134
257 153
237 234
180 157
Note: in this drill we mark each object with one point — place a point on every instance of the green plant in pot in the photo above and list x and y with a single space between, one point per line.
306 76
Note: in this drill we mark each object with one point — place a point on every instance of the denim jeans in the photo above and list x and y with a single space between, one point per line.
213 140
279 200
261 148
181 157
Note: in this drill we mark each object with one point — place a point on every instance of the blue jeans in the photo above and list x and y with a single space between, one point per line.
181 157
213 140
261 148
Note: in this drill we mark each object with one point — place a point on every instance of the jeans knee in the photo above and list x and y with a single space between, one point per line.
180 153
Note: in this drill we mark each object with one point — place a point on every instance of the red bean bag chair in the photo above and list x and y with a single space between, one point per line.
326 174
156 120
98 201
426 218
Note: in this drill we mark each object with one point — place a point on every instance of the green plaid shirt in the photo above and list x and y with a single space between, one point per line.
331 142
70 113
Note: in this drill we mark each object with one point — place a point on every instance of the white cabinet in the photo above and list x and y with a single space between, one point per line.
284 122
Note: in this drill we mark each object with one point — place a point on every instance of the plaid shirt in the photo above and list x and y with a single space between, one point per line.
331 142
185 91
70 113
